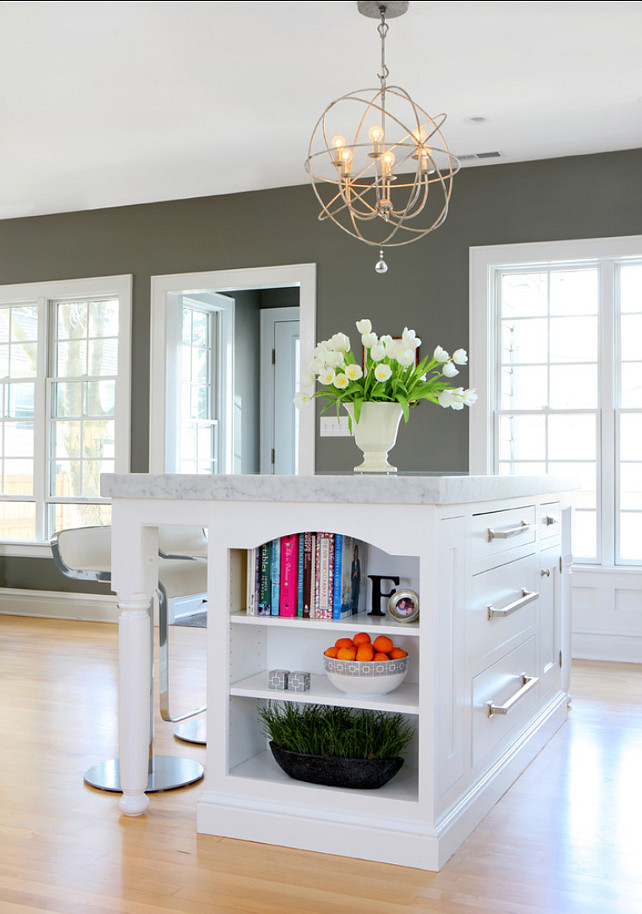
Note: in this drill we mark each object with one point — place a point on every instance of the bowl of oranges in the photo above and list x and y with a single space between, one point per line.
360 666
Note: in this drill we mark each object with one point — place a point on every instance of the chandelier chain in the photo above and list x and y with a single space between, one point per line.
383 31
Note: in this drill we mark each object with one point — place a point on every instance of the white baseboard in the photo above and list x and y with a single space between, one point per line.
605 646
53 604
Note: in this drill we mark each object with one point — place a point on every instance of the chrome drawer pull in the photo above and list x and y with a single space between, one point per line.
526 598
528 683
511 531
549 521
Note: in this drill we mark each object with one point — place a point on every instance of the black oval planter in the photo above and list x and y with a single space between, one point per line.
363 774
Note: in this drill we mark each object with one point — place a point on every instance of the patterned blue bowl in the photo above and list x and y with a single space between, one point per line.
374 677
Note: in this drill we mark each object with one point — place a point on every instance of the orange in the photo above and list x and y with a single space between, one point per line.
383 644
346 653
397 653
365 652
361 638
331 652
343 642
381 656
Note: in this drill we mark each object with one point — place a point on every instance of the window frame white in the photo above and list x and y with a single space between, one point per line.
43 293
482 351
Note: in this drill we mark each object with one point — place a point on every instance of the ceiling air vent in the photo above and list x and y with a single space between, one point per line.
468 157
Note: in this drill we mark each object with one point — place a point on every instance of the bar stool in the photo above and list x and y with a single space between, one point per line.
84 553
178 543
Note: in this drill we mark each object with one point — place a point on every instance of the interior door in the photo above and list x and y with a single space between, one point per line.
280 369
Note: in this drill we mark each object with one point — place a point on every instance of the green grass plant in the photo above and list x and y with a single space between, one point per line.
336 732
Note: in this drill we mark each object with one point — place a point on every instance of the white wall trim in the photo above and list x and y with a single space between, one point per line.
53 604
606 646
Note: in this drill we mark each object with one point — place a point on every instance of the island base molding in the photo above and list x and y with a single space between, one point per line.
404 842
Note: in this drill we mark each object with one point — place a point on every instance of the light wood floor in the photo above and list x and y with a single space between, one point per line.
566 839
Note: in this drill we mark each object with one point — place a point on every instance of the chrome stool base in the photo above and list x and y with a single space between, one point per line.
192 731
168 773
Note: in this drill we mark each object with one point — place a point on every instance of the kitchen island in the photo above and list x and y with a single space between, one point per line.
489 655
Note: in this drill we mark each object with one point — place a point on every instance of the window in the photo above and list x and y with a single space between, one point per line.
64 403
561 379
199 440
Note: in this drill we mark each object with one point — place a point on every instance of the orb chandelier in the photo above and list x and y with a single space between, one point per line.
378 162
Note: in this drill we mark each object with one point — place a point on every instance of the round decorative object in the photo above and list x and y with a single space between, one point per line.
363 774
374 677
375 434
403 605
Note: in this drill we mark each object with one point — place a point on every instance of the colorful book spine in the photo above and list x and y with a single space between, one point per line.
299 577
325 567
275 577
308 567
265 590
289 575
338 571
250 602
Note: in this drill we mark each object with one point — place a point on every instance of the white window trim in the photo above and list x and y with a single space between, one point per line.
482 374
302 275
42 293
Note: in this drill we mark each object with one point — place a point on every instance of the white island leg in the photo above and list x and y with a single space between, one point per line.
134 675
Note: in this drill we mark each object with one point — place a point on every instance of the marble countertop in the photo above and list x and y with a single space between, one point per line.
357 489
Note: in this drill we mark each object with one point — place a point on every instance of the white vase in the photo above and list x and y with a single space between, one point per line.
375 434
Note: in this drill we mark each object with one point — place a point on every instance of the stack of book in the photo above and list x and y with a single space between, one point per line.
307 575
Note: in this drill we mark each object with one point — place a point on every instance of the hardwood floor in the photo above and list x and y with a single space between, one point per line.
566 839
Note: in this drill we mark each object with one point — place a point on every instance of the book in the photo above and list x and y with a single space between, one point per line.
325 573
289 575
308 576
299 577
350 580
252 579
265 589
275 577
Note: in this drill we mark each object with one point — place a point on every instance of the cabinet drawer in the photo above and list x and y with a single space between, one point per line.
502 686
549 520
504 603
497 533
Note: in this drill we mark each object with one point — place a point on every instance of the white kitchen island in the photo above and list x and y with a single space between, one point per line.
489 655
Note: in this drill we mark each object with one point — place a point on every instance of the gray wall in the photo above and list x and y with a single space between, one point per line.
426 286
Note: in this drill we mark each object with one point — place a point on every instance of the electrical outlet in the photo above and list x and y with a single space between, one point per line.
331 427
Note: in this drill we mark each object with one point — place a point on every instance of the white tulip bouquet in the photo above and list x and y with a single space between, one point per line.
390 373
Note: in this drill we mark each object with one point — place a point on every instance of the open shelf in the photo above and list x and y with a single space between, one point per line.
384 625
262 767
404 699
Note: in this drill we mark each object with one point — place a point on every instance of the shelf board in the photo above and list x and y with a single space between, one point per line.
262 767
404 699
362 621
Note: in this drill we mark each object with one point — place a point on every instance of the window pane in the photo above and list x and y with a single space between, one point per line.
522 438
67 439
24 324
631 486
573 387
18 477
524 388
24 360
630 436
91 476
62 516
631 536
631 287
524 294
631 396
20 400
5 324
72 359
524 341
67 398
101 398
200 326
18 439
574 291
522 469
4 361
18 521
98 438
103 357
103 318
67 478
574 339
631 341
572 437
585 534
71 320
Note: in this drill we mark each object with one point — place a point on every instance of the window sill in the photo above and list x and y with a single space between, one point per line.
26 550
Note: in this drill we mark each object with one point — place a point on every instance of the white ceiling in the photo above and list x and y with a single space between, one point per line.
111 103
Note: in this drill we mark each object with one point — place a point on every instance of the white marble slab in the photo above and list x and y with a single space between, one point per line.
357 489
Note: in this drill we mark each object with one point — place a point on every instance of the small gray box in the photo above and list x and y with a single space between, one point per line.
299 681
278 679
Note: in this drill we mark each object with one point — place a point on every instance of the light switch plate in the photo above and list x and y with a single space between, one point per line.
331 427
